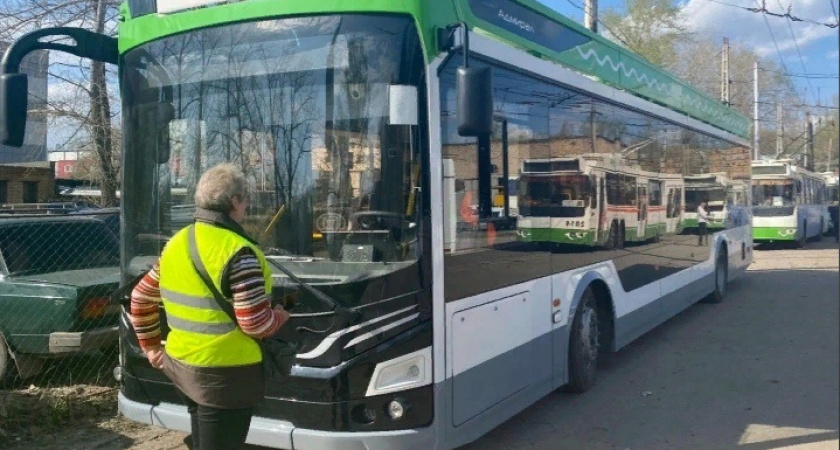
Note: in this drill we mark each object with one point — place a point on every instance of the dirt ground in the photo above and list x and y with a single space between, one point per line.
757 372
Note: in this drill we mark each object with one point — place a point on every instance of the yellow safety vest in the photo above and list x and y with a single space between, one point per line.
201 333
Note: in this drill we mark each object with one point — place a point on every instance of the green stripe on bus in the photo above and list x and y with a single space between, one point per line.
774 234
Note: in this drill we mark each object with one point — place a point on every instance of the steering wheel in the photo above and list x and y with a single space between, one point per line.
377 220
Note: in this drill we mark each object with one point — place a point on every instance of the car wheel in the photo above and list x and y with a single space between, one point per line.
583 345
721 275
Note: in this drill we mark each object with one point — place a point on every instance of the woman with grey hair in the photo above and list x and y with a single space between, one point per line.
215 286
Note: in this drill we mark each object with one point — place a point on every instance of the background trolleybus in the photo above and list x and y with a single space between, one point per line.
372 134
594 199
789 202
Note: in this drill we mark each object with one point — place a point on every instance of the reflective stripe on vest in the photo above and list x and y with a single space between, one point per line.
200 327
190 300
201 333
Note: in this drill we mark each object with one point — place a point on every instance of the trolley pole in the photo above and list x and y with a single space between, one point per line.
724 73
809 143
755 110
779 130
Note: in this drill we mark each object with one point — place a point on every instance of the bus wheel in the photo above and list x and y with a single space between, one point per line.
800 242
819 236
583 344
611 241
721 275
621 235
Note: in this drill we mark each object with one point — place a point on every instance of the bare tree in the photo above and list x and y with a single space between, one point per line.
93 119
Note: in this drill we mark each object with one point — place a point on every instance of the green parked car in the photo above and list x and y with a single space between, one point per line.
56 275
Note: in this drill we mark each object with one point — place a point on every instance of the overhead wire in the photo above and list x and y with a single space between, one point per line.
775 43
763 10
798 52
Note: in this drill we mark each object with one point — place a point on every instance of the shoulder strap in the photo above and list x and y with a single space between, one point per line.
198 265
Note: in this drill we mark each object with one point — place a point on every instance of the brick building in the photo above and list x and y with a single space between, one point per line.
27 182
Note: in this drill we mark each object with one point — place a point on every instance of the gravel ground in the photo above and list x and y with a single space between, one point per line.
757 372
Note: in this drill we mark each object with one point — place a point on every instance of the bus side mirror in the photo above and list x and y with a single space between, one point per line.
475 101
13 101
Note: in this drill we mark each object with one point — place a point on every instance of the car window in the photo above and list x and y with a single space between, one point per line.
35 248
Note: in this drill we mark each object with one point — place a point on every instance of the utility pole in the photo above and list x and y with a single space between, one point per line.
755 110
809 143
590 15
724 73
779 130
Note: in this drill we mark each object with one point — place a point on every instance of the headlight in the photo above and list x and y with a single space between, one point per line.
405 372
396 409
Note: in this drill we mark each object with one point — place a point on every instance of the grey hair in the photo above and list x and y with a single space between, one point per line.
218 186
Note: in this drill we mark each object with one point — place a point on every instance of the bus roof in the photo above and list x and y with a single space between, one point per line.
782 168
526 24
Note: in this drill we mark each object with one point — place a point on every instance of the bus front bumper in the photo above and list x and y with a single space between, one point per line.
280 434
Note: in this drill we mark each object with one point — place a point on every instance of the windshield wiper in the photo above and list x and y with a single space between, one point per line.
346 314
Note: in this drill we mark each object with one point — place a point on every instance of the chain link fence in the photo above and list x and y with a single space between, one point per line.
59 263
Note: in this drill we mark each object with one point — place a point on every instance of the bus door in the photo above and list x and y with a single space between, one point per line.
602 227
670 210
641 204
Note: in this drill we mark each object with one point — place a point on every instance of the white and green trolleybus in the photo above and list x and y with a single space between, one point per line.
372 134
723 196
595 199
789 202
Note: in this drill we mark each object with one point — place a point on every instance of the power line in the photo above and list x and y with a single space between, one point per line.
834 10
776 44
798 52
802 106
763 10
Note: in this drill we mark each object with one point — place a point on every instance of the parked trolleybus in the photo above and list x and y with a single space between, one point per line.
595 199
832 197
788 202
713 188
374 133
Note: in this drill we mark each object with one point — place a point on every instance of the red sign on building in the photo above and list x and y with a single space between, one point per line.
65 169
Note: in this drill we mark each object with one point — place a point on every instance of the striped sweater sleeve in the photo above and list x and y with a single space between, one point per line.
145 309
251 304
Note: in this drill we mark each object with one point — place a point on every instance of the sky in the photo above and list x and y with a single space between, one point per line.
808 51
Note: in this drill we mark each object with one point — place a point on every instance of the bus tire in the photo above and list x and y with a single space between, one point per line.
583 344
721 277
803 239
611 242
621 236
819 236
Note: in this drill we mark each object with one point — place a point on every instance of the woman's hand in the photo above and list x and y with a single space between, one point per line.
284 315
155 357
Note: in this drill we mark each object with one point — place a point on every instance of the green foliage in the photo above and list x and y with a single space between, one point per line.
654 29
